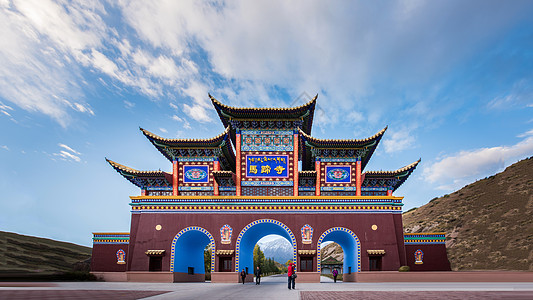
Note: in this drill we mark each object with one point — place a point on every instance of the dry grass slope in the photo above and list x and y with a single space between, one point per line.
23 254
488 224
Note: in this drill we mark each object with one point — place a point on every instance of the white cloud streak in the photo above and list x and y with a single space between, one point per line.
68 153
455 171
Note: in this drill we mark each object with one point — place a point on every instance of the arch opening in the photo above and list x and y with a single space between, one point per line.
350 245
252 233
332 257
187 251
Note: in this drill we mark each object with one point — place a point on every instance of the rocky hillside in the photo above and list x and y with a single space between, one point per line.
332 250
25 254
488 224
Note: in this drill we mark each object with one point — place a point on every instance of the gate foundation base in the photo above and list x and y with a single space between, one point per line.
164 277
308 277
349 277
225 277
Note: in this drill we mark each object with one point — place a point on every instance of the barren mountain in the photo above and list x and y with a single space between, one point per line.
28 254
488 224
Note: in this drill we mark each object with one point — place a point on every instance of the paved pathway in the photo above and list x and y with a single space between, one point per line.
273 287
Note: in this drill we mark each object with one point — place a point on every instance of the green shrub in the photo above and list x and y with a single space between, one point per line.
404 269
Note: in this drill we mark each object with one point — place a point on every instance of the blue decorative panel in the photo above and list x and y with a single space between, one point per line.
196 174
267 166
338 160
305 188
227 188
196 158
267 183
338 174
155 188
195 188
374 189
339 188
267 140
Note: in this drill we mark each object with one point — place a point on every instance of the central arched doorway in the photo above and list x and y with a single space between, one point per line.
187 254
251 234
351 246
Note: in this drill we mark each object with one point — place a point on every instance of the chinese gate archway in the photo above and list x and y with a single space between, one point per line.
229 191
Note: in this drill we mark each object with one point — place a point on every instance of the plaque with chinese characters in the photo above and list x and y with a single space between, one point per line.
267 166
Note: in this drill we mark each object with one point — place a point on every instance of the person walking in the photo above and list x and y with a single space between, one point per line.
243 276
258 276
335 273
291 274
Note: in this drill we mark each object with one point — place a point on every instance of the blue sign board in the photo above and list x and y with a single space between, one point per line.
196 174
267 166
338 174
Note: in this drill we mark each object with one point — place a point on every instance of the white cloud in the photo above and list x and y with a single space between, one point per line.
398 140
68 148
454 171
254 48
129 105
66 156
197 112
39 41
68 153
520 93
186 124
163 130
5 147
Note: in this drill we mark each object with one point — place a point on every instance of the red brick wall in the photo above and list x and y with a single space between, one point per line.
435 257
104 258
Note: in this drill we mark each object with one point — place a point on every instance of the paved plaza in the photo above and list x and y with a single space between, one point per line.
274 287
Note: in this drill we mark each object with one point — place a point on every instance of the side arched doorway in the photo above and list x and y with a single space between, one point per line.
251 234
187 254
351 246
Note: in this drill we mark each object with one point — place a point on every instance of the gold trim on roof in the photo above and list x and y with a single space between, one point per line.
154 252
375 136
375 252
134 171
306 252
276 109
401 170
156 137
224 252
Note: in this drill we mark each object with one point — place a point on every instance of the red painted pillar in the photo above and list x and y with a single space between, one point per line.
295 165
175 178
143 192
216 167
317 169
389 193
358 178
238 167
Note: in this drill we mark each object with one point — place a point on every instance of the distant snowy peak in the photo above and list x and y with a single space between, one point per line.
279 249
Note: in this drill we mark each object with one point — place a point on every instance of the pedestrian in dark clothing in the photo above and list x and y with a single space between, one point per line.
258 276
335 273
291 274
243 276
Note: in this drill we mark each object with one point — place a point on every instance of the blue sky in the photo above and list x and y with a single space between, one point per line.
451 79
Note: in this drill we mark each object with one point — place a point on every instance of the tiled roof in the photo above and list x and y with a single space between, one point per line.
142 179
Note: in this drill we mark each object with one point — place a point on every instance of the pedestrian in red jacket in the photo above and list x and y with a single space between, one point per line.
291 274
